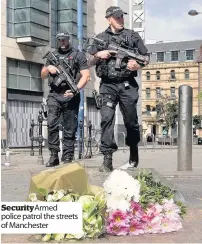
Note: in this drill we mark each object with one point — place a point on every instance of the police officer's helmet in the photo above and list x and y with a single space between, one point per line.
63 36
114 11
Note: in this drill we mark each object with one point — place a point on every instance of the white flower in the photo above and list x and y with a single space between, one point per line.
120 184
79 235
58 195
33 197
114 203
49 198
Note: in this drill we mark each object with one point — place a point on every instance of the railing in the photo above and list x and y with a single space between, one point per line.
166 142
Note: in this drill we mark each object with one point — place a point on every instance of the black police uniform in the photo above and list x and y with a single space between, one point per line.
59 105
118 87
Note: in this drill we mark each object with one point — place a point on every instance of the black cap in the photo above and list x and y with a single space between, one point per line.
62 35
114 11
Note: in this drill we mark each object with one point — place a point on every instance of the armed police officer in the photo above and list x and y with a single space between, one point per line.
61 98
118 84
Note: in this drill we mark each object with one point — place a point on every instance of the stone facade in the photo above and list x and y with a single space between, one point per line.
10 49
167 85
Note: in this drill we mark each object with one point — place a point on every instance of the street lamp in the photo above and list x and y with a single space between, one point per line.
194 12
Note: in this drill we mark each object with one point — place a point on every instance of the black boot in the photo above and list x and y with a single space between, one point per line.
107 163
54 160
134 157
68 159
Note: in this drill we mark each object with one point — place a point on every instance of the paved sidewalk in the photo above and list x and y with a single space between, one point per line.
16 178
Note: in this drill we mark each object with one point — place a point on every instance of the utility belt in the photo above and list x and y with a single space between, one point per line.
108 71
117 79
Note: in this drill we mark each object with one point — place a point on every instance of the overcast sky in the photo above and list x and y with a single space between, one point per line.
168 20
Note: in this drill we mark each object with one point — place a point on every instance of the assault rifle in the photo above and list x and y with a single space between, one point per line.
63 75
121 51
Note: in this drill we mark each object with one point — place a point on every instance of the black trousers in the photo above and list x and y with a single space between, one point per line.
59 105
126 94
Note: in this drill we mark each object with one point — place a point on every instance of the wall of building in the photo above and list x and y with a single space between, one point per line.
10 49
165 83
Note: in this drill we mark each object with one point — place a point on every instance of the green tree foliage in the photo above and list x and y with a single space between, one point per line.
167 111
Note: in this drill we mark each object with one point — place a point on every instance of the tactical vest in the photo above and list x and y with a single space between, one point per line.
70 57
105 69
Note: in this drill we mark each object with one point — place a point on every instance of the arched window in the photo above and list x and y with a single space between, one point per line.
148 75
186 74
158 75
172 75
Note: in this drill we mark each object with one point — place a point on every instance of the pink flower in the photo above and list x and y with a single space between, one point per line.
118 218
117 230
177 225
147 218
136 210
171 210
168 225
154 209
152 218
153 227
136 228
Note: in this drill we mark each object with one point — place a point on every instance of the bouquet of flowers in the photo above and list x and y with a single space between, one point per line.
62 185
93 211
140 205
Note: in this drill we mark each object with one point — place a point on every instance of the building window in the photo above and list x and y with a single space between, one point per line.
172 92
160 57
64 19
137 24
24 75
172 75
148 75
174 56
10 18
186 74
189 54
138 7
158 75
67 19
148 109
158 92
148 93
28 19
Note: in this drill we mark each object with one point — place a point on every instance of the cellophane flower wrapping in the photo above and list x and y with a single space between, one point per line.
62 185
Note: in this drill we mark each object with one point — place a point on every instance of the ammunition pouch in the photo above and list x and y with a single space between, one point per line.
109 100
102 70
58 80
98 99
108 70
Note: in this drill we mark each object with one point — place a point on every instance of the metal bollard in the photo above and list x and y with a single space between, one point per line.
89 153
31 135
80 139
40 139
185 128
